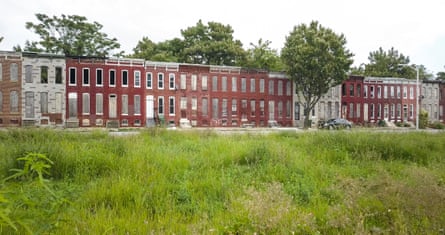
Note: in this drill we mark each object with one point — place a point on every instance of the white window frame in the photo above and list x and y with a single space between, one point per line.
149 85
171 81
70 83
102 77
88 77
137 78
161 81
122 78
109 78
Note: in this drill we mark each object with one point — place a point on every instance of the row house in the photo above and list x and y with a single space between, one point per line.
43 89
134 92
10 88
327 107
371 99
432 99
104 92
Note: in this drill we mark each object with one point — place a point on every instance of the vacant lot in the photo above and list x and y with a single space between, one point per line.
167 182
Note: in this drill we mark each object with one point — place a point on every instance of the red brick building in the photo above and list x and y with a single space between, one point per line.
10 88
370 99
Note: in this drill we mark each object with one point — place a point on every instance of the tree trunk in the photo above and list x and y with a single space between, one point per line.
307 121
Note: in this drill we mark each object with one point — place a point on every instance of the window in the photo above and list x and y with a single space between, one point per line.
43 102
183 82
411 111
365 91
234 107
85 103
261 108
171 79
137 105
215 108
405 92
44 74
224 108
183 103
234 84
252 85
214 83
59 77
411 92
379 92
137 78
371 92
351 90
14 101
112 78
59 102
171 105
224 84
297 111
28 73
14 72
243 85
252 108
271 88
29 104
148 79
124 78
385 92
244 109
371 111
280 87
124 104
194 106
161 81
398 92
99 104
399 110
357 113
99 77
393 110
280 109
86 76
72 76
204 108
261 85
160 105
392 91
72 105
194 82
359 90
204 83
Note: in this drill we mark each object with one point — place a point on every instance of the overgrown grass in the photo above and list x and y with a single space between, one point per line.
166 182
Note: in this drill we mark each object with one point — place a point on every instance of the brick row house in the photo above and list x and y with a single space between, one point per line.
433 99
371 99
43 89
10 89
134 93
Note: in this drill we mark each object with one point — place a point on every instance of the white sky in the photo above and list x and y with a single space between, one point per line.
414 28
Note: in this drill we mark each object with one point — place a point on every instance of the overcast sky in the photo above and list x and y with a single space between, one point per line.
414 28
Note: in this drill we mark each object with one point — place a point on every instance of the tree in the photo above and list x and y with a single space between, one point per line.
316 59
211 44
440 76
70 35
1 39
263 57
388 64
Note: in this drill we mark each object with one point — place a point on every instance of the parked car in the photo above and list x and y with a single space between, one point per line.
337 123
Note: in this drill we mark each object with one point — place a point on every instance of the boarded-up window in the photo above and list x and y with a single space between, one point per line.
215 108
29 104
204 83
137 104
44 102
85 103
59 102
204 108
14 101
183 81
14 70
72 105
99 104
28 73
125 104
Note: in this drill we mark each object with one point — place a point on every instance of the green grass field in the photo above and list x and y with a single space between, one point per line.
170 182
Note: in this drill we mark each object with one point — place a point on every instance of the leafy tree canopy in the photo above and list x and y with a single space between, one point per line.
389 63
440 76
316 59
263 57
70 35
211 44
